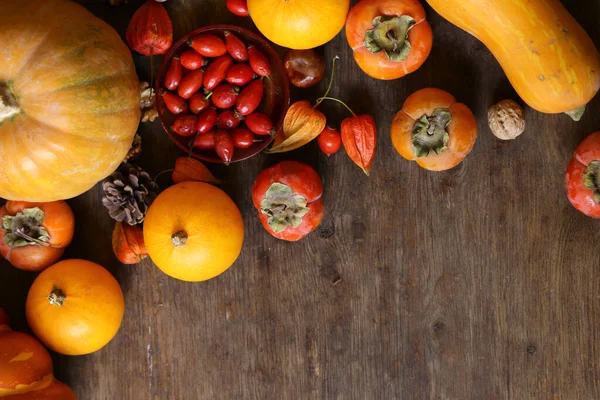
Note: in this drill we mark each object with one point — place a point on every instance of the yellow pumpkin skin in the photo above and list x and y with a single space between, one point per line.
213 228
299 24
75 307
77 96
550 60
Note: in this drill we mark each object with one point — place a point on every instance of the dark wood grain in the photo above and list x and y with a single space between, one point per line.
476 283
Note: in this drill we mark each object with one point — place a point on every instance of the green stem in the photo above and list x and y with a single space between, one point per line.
576 114
339 101
330 82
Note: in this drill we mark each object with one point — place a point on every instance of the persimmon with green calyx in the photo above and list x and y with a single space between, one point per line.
25 364
75 307
434 130
389 38
583 176
288 197
35 235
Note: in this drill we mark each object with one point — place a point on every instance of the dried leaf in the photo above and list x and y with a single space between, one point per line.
190 169
302 123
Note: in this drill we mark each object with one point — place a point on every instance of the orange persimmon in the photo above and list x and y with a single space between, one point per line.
25 364
434 130
389 38
583 176
34 235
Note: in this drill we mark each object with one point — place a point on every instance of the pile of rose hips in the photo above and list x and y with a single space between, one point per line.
215 86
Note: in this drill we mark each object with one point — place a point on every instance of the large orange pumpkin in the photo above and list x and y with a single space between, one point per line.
75 307
549 59
299 24
56 391
193 231
24 363
69 100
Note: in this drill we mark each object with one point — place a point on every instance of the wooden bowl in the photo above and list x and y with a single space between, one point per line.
276 98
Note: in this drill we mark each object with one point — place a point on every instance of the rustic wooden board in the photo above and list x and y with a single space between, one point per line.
477 283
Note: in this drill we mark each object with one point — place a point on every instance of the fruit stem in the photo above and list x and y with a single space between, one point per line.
330 82
179 238
8 102
576 113
56 297
161 173
339 101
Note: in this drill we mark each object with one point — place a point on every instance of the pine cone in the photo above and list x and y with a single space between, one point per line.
128 193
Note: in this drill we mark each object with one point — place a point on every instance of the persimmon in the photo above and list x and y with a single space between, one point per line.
34 235
389 38
55 391
288 197
434 130
583 176
75 307
25 364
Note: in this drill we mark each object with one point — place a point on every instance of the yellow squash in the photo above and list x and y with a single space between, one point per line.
69 100
548 57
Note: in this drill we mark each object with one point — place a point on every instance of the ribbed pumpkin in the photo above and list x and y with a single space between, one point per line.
69 100
56 391
25 364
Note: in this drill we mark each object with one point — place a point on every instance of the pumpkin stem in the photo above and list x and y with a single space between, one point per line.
576 114
390 34
25 228
591 179
9 107
57 297
429 133
179 238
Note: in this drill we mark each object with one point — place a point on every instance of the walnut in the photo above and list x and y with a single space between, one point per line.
506 119
149 112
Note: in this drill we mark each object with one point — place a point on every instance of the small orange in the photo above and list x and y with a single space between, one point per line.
75 307
193 231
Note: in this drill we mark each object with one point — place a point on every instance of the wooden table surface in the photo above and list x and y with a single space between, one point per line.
476 283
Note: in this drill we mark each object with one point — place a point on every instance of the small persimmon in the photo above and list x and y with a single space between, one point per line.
434 130
389 38
35 235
